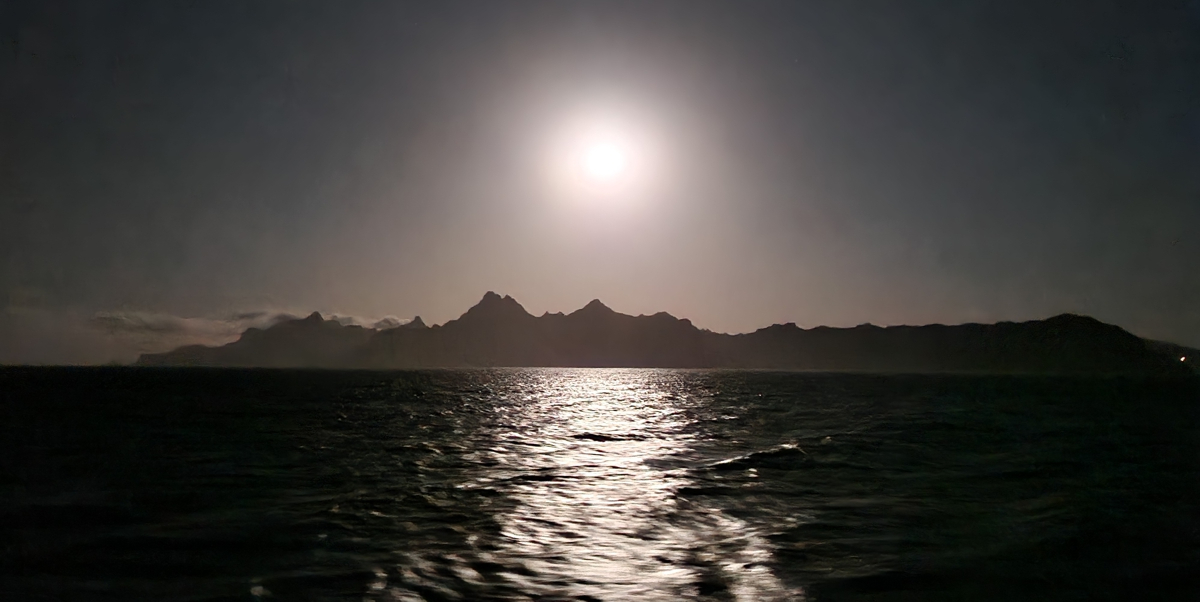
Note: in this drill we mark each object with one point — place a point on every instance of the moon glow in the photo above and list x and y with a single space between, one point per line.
604 162
601 161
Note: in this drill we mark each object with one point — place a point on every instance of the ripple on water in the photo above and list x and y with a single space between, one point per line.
596 485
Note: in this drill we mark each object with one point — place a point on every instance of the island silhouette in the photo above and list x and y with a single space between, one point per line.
499 332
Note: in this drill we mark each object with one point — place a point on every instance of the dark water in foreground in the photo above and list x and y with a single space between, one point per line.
123 484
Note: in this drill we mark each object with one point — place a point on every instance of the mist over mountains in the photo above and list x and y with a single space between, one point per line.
499 332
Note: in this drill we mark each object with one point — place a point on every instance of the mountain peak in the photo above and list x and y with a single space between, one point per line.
596 305
493 305
314 317
491 298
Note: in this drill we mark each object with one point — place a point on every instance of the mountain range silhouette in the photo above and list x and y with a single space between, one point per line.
498 332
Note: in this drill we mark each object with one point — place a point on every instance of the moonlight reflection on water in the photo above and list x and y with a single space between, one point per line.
586 456
592 484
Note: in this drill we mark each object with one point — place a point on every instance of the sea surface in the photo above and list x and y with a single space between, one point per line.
595 484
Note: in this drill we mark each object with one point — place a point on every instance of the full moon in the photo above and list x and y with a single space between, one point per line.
604 162
600 160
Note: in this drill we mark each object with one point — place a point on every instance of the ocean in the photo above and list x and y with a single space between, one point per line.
595 484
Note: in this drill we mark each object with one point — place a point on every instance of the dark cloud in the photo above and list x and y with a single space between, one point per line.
153 324
136 322
249 315
40 335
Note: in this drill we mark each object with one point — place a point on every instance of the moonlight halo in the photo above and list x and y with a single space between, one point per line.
604 161
602 158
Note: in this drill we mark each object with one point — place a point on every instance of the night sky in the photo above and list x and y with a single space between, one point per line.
174 172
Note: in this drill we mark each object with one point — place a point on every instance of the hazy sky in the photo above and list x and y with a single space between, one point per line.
174 171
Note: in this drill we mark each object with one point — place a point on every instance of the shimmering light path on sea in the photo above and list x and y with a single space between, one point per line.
587 485
594 463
